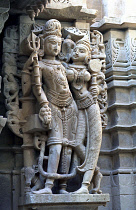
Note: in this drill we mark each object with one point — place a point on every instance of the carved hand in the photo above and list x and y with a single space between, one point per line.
33 59
94 90
45 115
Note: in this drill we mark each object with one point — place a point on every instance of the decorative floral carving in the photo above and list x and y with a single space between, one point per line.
118 55
11 79
131 50
108 53
98 51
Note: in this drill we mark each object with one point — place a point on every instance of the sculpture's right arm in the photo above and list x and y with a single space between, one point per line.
45 111
34 65
42 99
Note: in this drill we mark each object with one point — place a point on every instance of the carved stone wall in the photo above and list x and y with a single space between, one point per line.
13 62
121 78
118 147
10 145
118 152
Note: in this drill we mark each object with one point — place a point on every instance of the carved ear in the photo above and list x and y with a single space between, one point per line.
87 59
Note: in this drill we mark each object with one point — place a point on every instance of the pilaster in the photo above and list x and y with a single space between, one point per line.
118 150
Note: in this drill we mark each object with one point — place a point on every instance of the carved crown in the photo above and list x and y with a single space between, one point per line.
52 27
85 41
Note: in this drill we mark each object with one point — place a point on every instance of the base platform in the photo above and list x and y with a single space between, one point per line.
63 202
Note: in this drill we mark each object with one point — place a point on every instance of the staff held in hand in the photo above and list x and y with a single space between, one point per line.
94 67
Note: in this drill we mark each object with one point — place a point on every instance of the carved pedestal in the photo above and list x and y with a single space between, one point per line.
63 202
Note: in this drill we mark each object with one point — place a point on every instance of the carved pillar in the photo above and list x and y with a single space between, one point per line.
118 23
4 8
118 148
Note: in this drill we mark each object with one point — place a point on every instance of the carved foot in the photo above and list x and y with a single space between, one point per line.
82 190
95 191
62 191
43 191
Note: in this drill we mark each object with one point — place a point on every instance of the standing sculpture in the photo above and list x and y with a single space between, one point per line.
58 109
63 109
82 75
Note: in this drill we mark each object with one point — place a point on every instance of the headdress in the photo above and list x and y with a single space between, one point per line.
85 41
52 27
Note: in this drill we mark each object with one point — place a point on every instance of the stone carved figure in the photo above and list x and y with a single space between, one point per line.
58 109
80 74
63 108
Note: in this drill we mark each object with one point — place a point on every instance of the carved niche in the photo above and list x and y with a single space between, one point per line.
56 97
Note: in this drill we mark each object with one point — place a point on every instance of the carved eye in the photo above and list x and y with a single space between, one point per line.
82 51
53 42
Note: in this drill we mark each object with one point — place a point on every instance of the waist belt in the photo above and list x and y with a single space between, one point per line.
85 102
59 99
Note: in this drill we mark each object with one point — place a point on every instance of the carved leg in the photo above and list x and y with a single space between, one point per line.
80 135
63 183
96 182
94 130
86 182
53 162
29 160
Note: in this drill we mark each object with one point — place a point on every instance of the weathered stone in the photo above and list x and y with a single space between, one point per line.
114 14
5 202
4 8
50 117
64 201
65 10
2 123
117 156
95 67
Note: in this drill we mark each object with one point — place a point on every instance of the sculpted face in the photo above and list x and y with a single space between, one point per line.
52 45
80 53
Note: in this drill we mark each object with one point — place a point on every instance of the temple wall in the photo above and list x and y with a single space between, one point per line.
117 22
